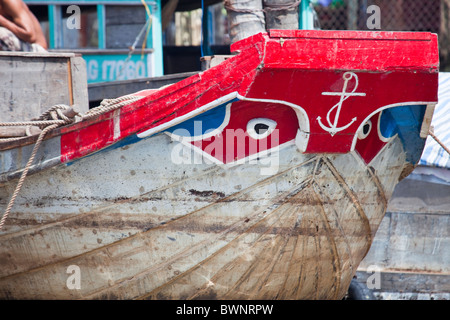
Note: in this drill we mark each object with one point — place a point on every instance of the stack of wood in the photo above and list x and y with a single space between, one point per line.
34 82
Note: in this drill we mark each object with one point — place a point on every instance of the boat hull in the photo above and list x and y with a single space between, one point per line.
263 177
203 231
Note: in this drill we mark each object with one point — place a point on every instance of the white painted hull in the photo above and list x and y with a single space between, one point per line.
138 225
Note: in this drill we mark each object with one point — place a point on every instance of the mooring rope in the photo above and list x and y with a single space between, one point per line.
110 104
52 119
25 172
431 133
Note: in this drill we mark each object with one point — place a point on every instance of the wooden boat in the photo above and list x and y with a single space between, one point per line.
264 177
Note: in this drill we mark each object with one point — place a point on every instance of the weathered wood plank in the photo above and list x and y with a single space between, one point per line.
407 282
33 83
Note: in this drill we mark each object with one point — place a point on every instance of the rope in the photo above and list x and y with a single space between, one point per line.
51 113
25 172
53 116
147 26
147 9
431 133
110 104
51 119
58 118
32 123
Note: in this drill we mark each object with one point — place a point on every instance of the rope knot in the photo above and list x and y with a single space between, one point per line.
60 113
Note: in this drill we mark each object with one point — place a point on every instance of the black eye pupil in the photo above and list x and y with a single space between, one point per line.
366 128
260 128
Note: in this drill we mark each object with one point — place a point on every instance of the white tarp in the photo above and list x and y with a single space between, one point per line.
434 155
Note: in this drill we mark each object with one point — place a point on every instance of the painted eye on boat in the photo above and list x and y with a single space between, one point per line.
365 130
260 128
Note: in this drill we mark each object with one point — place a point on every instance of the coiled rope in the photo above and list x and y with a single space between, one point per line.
52 119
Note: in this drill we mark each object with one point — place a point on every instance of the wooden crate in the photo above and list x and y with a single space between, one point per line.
31 83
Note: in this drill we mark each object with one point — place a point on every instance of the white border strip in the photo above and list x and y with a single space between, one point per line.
403 104
189 115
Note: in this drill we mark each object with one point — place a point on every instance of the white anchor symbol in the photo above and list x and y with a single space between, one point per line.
333 128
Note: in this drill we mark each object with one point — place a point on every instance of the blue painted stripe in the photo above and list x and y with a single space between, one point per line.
406 121
203 123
